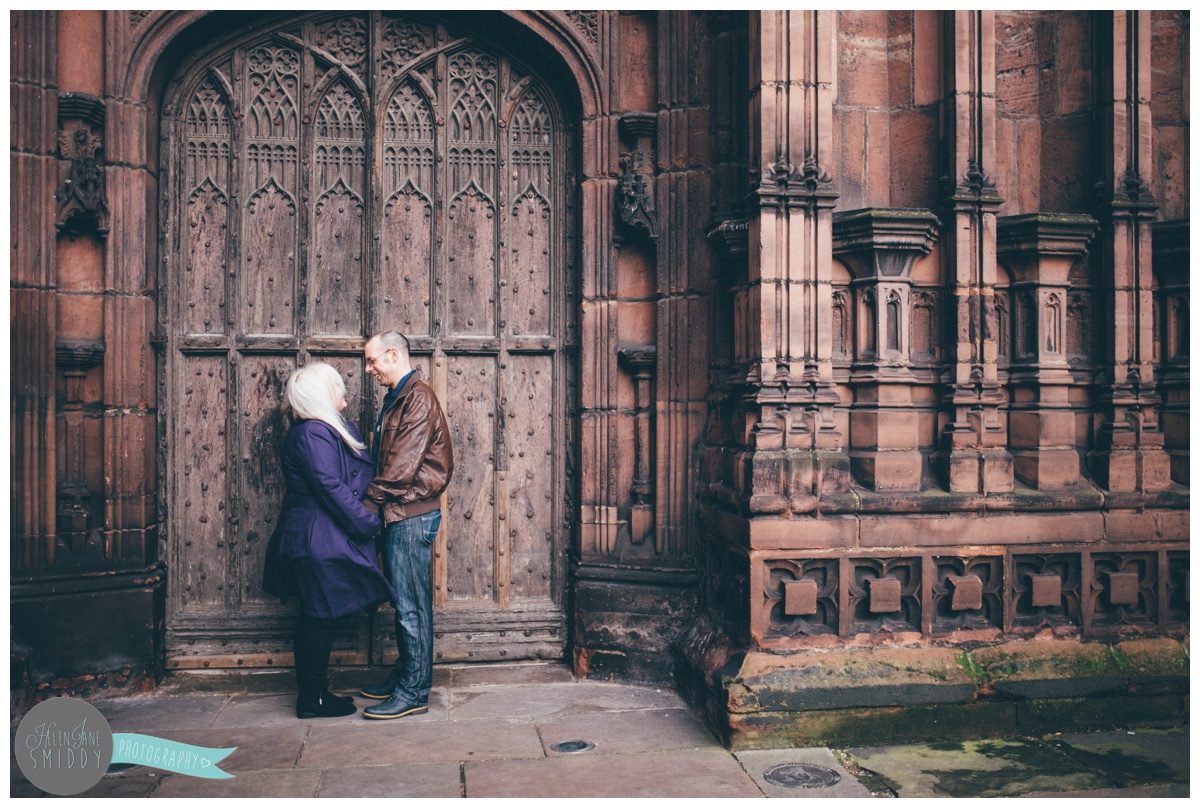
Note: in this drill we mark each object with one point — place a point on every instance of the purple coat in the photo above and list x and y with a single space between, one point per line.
323 550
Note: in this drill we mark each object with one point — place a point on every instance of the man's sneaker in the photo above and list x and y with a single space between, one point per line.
394 707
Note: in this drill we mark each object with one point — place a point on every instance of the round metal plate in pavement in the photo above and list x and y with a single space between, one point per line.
570 747
801 775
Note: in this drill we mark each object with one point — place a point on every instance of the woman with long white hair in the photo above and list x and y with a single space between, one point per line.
322 551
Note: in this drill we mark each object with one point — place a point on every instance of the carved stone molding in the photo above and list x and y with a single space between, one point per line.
82 198
815 599
636 207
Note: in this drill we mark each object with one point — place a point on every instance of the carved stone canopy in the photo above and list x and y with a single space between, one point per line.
883 242
1042 247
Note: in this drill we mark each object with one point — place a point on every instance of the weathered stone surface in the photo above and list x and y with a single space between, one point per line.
1098 712
1130 758
998 768
870 725
695 773
272 783
1153 660
1050 669
825 680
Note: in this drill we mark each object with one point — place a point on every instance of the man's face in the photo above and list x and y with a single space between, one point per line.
382 363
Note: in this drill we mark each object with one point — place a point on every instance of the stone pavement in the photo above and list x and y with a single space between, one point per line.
491 731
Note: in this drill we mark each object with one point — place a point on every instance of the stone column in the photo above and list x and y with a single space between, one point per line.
1039 250
973 435
1172 261
795 449
33 296
1129 453
880 246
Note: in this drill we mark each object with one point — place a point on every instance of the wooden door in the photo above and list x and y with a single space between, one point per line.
326 180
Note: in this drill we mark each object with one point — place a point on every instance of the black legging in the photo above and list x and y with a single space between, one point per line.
313 644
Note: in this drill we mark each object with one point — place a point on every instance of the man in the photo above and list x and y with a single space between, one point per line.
413 465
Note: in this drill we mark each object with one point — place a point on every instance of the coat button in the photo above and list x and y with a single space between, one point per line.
355 493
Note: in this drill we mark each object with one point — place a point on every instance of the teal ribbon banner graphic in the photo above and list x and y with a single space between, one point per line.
160 753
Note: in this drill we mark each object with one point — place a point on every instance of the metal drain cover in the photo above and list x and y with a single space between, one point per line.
570 747
801 775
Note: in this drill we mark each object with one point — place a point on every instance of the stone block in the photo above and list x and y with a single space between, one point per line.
1122 588
1156 660
967 593
1047 590
879 725
1050 669
1047 469
827 680
885 595
888 471
800 597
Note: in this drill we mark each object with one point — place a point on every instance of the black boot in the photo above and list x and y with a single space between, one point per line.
321 705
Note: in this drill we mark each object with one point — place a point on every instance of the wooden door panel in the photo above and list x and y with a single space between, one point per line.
269 237
471 259
408 219
337 279
529 276
530 440
470 500
202 565
208 218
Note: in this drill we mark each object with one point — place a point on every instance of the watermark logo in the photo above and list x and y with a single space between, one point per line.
64 746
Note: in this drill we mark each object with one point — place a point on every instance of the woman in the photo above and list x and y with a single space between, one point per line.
322 550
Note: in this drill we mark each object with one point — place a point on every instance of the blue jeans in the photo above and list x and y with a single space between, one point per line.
406 548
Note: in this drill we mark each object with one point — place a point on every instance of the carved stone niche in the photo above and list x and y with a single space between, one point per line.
81 196
1039 250
641 362
879 247
80 509
636 209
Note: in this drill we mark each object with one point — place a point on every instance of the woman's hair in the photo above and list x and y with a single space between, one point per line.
309 396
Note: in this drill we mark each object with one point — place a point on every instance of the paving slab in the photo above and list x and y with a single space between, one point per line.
280 711
1131 757
257 748
149 713
692 773
999 768
393 782
397 742
136 784
276 783
545 700
527 674
758 762
630 731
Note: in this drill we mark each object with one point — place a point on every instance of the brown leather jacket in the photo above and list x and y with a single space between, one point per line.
414 458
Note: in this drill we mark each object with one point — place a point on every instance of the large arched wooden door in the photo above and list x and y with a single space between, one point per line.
324 180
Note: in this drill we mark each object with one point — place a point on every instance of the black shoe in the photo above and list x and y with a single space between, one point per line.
394 707
324 705
383 691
